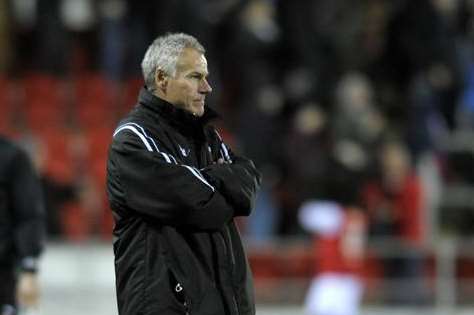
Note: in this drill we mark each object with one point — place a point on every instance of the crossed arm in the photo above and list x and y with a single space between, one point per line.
155 185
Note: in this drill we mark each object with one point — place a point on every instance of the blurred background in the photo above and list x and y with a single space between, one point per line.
366 103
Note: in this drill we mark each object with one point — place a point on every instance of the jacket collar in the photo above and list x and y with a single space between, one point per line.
178 117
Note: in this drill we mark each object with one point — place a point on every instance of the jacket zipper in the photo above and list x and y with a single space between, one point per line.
230 252
180 288
187 306
232 257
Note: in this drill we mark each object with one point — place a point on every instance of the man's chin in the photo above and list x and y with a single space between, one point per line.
199 114
199 111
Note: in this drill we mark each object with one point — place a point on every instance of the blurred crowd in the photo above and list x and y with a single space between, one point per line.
368 103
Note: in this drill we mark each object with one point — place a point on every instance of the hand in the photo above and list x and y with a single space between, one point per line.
237 182
28 289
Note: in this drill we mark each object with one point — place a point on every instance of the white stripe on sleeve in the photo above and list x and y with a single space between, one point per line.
199 176
149 148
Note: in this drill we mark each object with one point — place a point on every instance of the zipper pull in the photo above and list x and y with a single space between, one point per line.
186 306
179 290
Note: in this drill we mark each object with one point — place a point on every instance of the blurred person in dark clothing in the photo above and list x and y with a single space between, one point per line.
303 174
56 193
5 34
22 226
417 42
175 188
143 19
56 196
358 126
325 37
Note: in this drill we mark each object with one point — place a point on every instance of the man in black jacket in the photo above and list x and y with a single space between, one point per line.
22 229
174 188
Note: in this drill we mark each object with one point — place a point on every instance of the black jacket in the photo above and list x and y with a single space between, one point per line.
22 217
177 250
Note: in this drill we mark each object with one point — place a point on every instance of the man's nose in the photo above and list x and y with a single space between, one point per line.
206 87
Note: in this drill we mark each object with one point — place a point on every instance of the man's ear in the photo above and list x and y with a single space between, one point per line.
161 80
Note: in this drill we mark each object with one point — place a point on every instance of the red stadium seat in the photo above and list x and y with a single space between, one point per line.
74 222
44 105
60 163
98 140
95 101
130 92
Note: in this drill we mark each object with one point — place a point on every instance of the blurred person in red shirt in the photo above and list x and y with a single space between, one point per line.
339 242
394 203
394 197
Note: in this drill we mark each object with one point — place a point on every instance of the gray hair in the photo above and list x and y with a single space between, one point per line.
163 54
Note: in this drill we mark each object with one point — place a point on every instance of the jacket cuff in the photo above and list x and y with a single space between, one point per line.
29 264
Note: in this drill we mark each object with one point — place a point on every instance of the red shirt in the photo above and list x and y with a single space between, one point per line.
343 251
404 206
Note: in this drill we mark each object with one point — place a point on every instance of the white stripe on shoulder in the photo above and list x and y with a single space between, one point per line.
145 134
145 142
199 176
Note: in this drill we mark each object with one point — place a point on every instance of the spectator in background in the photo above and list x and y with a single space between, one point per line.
356 117
78 18
5 33
22 226
394 204
306 161
417 42
52 50
339 241
357 125
56 194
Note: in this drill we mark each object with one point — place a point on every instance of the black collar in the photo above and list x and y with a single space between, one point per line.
178 117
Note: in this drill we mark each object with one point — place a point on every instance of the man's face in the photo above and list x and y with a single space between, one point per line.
188 89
